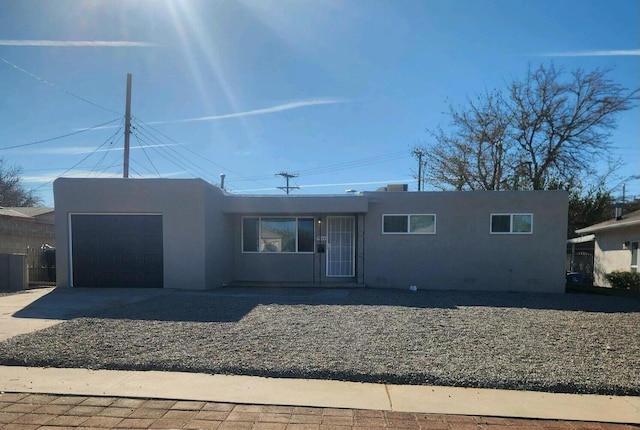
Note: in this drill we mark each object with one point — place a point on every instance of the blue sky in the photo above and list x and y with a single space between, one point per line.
337 91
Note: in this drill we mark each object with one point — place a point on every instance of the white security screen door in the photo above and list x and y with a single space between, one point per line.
340 246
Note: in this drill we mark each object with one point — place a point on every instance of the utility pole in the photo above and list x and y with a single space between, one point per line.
287 176
417 152
127 128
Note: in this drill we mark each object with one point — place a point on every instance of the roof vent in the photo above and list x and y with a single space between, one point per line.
618 211
397 187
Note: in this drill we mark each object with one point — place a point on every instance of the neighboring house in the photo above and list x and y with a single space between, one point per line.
616 245
25 228
24 235
188 234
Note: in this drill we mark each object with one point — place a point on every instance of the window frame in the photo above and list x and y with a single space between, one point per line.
296 219
511 217
408 218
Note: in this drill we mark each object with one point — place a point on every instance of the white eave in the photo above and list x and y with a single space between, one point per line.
609 225
582 239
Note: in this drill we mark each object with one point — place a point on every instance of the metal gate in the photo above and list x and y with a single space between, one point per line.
41 266
340 246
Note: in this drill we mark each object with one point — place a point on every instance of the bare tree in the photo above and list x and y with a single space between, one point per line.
12 192
546 130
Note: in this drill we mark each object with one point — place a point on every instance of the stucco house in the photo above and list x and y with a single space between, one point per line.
616 245
187 233
24 231
22 228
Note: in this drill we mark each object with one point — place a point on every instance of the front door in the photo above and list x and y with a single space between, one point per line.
340 246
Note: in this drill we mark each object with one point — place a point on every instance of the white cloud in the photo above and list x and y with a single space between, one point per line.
78 43
602 53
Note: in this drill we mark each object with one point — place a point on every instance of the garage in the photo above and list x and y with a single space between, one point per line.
116 251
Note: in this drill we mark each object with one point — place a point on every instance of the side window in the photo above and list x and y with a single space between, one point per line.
305 234
250 237
277 234
511 223
394 223
409 224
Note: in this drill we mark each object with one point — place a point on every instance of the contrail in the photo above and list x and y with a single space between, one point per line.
272 109
79 43
601 53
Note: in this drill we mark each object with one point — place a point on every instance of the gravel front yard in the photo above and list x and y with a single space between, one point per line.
561 343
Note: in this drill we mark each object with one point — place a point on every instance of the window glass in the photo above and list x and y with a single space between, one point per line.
305 235
278 235
522 223
395 224
250 234
500 223
422 223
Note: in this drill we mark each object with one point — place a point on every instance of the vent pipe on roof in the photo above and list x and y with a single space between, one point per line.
222 176
618 211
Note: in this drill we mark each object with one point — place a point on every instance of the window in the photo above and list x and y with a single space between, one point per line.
634 256
511 223
277 234
408 224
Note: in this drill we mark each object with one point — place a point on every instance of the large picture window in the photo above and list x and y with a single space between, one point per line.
277 234
511 223
409 224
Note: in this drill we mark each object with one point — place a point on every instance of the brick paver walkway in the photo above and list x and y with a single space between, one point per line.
21 411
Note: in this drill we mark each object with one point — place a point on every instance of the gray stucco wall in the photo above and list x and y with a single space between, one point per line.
202 235
219 233
267 267
180 201
463 254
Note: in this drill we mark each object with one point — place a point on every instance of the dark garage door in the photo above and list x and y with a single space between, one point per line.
117 251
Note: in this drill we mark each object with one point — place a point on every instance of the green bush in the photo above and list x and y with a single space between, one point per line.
624 280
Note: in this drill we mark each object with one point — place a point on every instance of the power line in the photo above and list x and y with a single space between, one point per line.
83 158
147 155
339 166
58 137
165 151
148 130
69 93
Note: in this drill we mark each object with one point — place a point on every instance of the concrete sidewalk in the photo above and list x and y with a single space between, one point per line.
321 393
285 392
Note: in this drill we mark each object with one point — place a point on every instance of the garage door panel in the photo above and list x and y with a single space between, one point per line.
117 251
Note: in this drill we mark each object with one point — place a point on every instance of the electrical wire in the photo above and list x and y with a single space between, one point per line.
59 137
147 155
150 131
106 152
165 151
69 93
184 147
82 160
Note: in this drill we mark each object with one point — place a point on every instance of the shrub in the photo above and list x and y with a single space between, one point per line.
624 280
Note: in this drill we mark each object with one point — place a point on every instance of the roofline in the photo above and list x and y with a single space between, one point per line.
619 224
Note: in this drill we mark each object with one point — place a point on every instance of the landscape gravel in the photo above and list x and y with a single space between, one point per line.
546 342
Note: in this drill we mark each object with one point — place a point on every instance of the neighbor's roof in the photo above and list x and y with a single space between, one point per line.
24 212
628 220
